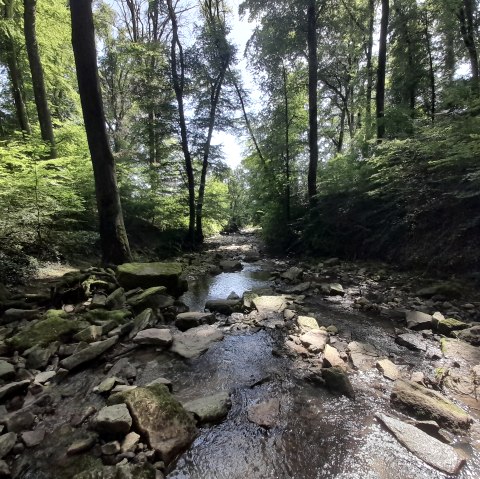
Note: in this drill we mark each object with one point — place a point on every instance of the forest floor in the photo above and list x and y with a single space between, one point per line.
299 369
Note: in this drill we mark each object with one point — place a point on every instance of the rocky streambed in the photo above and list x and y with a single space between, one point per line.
263 368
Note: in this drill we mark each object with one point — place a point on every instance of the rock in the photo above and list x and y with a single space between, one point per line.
388 369
427 404
110 448
292 274
417 320
123 368
430 450
251 256
164 381
336 380
7 441
44 377
44 332
98 301
33 438
160 418
229 266
4 469
307 322
449 290
332 359
154 337
223 306
470 335
247 298
88 354
193 319
418 377
269 304
82 445
332 329
265 414
195 341
447 326
457 349
13 314
289 315
336 289
116 300
331 262
7 371
19 421
364 356
210 409
130 442
38 358
315 340
411 341
113 421
146 275
296 349
12 389
89 335
146 319
297 288
155 298
107 385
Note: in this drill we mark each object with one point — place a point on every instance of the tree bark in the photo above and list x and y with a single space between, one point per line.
287 144
312 100
38 82
467 29
114 241
381 71
369 53
431 70
15 74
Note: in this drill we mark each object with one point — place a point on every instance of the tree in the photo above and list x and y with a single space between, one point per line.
36 70
114 241
381 70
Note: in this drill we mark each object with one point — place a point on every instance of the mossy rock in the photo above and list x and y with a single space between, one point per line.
448 325
158 416
155 297
44 332
120 316
146 275
55 313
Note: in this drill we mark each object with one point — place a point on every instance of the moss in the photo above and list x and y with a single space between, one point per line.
448 325
55 313
120 316
444 345
44 332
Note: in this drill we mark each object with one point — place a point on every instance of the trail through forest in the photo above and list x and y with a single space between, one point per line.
284 369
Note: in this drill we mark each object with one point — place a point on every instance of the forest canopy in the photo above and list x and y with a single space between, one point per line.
359 120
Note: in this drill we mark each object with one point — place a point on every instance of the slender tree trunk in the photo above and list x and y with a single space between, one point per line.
287 144
115 247
38 82
312 100
450 60
369 53
431 70
15 73
178 78
151 137
467 30
341 135
381 71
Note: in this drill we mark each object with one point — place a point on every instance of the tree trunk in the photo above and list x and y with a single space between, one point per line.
15 73
38 81
369 53
312 100
381 71
114 241
178 78
431 70
467 30
287 144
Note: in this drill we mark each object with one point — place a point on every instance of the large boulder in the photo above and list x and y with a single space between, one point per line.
424 403
269 304
430 450
154 337
146 275
195 341
113 421
13 389
192 319
160 418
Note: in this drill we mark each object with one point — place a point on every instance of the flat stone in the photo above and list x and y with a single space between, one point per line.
143 321
265 414
210 409
193 319
336 380
146 275
388 369
427 404
154 337
113 421
164 381
447 326
42 378
417 320
19 421
223 306
107 385
316 339
411 341
457 349
12 389
88 354
155 298
7 441
336 289
33 438
82 445
130 442
160 418
470 335
307 322
297 288
195 341
13 314
430 450
269 304
116 300
363 355
332 359
89 335
7 371
292 273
